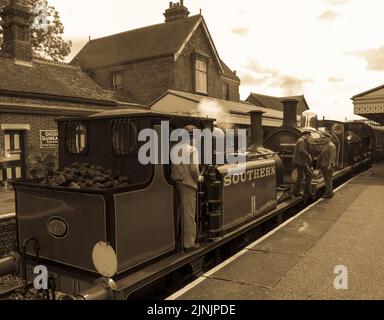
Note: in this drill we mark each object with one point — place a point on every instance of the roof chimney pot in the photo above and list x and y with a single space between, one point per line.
16 21
176 11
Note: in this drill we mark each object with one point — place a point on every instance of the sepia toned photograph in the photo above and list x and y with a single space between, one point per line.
190 152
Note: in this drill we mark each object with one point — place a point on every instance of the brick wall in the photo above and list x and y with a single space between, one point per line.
184 70
234 93
37 122
145 81
7 236
31 137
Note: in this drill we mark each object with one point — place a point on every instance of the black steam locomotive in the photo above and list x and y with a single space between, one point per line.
108 243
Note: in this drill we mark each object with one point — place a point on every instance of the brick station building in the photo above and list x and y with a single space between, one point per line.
35 92
178 54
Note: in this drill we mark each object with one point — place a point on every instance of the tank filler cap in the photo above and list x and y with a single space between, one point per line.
104 259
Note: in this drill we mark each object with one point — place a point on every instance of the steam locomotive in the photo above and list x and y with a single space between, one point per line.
107 244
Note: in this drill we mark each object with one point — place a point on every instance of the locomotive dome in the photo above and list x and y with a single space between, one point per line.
309 120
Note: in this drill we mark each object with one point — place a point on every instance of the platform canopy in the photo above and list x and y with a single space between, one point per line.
226 112
370 104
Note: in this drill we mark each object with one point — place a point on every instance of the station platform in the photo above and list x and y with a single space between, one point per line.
297 260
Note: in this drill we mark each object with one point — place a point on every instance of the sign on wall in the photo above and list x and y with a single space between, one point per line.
49 139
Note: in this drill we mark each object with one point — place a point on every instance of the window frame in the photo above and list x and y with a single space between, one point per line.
196 71
114 85
132 150
71 128
225 92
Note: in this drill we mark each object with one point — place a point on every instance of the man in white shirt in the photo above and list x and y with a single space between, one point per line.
189 175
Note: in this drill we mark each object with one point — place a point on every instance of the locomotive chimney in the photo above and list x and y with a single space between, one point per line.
256 129
290 112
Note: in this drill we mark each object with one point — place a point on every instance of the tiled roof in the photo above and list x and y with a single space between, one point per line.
276 102
229 73
138 44
230 107
153 41
51 79
362 94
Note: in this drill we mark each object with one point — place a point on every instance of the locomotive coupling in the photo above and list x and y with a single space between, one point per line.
10 264
102 289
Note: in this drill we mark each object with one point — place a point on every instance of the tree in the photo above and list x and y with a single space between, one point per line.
46 31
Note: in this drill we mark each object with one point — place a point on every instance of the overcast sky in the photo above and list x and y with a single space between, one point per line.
328 50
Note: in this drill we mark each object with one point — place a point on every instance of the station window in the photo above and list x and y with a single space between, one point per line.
124 137
201 76
118 80
76 137
225 91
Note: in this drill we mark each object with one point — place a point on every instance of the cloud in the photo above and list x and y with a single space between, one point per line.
335 79
374 58
329 15
256 67
250 80
240 31
290 85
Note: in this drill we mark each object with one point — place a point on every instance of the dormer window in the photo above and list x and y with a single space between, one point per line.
117 80
201 79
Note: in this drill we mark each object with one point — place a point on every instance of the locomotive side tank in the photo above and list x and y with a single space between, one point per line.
250 189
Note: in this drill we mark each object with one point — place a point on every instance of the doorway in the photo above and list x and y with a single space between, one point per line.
13 164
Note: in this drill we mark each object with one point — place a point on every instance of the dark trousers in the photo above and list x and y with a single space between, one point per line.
303 172
190 228
327 174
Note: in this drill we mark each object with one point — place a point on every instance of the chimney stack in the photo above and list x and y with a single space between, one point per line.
176 11
16 20
290 112
256 129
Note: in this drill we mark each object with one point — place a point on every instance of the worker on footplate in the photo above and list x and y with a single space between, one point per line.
302 161
189 176
327 164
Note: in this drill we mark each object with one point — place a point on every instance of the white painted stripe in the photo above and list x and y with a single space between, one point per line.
7 215
199 280
186 289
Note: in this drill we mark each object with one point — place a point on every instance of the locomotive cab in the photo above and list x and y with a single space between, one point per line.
137 217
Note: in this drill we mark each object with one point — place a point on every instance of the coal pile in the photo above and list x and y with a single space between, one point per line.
82 176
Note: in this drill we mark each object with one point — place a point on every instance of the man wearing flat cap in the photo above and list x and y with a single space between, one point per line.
327 164
302 161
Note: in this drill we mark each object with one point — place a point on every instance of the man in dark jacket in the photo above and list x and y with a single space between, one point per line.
327 165
302 161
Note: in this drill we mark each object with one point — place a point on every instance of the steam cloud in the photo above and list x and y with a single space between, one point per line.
208 108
